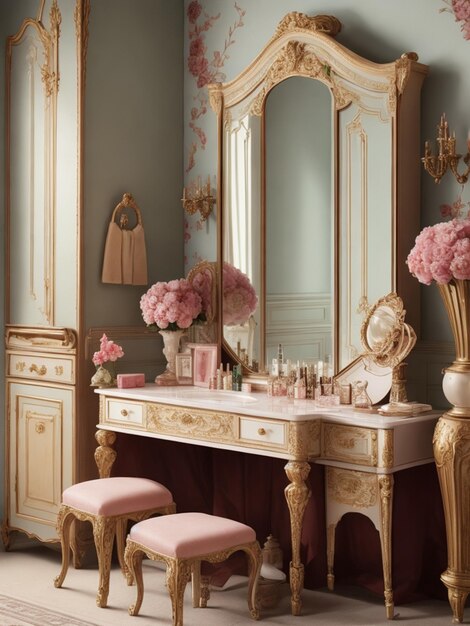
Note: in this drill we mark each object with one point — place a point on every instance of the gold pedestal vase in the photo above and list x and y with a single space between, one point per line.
171 344
452 449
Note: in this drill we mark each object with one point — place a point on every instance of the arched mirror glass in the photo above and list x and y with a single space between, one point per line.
299 220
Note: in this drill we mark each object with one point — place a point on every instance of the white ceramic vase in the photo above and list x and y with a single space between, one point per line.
171 344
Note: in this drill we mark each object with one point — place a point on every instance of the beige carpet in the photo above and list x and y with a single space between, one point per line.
29 598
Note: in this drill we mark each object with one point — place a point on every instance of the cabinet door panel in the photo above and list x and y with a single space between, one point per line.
40 445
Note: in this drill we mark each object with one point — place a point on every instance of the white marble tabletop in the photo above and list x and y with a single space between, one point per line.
259 404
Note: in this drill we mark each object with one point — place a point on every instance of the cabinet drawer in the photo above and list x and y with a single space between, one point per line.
40 367
350 444
122 412
263 431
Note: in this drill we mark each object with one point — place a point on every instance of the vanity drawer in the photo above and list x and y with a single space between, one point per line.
263 431
350 444
40 367
124 412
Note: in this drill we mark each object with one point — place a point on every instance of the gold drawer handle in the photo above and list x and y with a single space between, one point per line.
261 431
124 412
40 371
40 428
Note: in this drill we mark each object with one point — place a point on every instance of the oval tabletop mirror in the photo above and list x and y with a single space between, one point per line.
388 340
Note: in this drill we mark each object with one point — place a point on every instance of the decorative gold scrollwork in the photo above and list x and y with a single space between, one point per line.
40 371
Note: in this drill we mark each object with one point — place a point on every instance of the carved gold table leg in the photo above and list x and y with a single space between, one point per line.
330 556
386 502
452 455
104 454
297 494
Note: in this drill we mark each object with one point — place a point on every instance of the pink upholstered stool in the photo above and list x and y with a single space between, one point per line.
182 541
108 503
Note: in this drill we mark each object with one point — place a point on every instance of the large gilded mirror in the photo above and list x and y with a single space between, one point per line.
318 194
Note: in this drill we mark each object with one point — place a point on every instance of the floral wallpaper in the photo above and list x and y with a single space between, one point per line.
204 66
461 10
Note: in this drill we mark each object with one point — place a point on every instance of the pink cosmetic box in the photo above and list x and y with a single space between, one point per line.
127 381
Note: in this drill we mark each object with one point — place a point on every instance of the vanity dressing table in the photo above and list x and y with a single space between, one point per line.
361 451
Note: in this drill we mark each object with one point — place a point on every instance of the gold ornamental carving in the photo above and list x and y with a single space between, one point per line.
216 98
303 439
104 454
386 500
191 423
387 451
347 443
297 494
178 574
452 455
403 69
356 489
297 59
448 434
295 20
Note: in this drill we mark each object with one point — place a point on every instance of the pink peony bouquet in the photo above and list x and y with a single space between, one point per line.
109 351
240 299
202 283
171 306
442 252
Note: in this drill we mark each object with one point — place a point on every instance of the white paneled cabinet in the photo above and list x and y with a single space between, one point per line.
40 459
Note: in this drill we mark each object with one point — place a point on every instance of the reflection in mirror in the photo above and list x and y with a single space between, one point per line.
381 323
299 219
291 226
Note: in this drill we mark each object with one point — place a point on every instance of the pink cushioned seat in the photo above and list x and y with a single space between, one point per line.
186 535
109 504
117 495
182 541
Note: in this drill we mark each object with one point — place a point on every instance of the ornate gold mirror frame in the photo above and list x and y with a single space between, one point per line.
388 340
375 125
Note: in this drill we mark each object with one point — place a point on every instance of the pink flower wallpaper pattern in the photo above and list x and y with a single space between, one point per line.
204 67
461 11
205 70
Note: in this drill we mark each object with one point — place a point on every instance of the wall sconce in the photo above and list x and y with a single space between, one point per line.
198 198
438 165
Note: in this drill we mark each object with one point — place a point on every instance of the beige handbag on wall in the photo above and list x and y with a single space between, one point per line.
125 256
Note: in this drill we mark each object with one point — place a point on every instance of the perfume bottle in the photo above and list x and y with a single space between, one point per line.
300 390
361 397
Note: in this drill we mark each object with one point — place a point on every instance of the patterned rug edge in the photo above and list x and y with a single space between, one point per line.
34 615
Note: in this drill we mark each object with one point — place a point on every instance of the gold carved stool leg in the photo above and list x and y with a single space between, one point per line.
121 530
64 523
133 557
452 455
297 494
205 591
178 573
386 501
255 560
104 530
196 584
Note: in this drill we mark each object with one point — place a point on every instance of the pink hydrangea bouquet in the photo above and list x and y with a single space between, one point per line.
442 252
109 351
174 305
240 299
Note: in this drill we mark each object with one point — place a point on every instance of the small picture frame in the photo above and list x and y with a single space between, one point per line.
184 368
204 363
